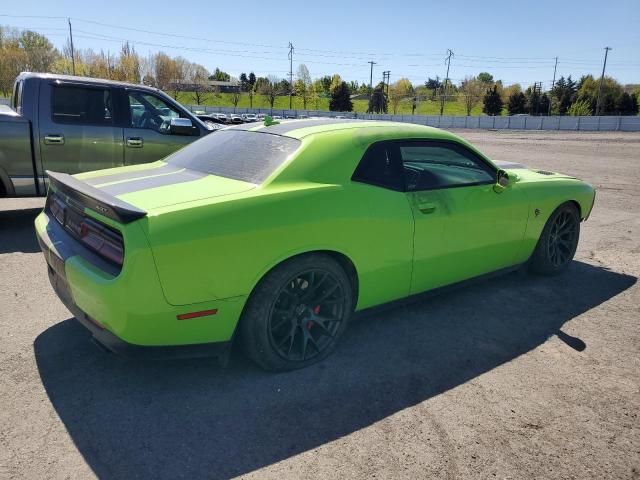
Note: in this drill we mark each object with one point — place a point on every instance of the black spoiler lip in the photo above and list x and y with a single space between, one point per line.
94 199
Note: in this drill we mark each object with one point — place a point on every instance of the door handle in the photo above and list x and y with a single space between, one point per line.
426 207
54 139
134 142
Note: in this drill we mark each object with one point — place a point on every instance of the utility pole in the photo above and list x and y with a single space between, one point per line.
446 81
537 87
290 73
604 66
386 76
73 59
553 84
370 82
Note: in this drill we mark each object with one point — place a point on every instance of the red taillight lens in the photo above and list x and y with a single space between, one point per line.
102 241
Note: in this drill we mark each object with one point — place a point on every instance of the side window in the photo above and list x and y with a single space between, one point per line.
429 166
150 112
82 105
380 166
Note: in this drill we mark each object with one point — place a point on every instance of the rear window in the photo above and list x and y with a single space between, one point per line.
240 155
86 106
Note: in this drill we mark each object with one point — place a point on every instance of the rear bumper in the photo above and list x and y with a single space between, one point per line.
112 343
128 313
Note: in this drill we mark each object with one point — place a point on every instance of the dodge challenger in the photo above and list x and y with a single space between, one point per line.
274 234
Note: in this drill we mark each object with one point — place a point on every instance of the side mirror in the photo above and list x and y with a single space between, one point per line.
502 182
181 126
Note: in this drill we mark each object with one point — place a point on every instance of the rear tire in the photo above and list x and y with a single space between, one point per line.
558 242
297 313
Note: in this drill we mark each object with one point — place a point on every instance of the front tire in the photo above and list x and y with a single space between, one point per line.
297 313
558 242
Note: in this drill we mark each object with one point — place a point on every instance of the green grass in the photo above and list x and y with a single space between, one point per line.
282 103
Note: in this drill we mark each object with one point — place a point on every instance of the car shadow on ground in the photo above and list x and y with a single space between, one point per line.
194 419
17 233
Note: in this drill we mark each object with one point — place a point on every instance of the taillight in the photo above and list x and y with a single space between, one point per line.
102 241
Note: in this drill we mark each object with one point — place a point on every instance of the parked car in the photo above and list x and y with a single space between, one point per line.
75 124
234 118
347 214
250 117
211 120
261 116
223 117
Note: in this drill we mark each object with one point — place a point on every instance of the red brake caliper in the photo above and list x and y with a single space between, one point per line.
316 310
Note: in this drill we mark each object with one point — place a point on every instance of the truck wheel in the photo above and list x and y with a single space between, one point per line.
558 241
297 313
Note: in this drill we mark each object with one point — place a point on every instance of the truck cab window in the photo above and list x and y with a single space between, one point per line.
81 105
151 112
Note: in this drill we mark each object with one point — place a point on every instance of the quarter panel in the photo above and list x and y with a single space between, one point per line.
222 250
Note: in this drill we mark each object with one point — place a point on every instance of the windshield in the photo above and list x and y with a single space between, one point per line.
240 155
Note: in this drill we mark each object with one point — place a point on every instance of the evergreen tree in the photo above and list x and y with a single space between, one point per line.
624 105
492 102
244 82
544 104
378 103
341 99
517 103
252 79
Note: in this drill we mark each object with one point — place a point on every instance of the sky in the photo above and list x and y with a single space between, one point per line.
515 41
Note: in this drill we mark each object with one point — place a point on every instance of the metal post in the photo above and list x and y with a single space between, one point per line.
73 59
604 66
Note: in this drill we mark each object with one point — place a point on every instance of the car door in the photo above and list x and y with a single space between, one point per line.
78 128
463 226
385 226
147 135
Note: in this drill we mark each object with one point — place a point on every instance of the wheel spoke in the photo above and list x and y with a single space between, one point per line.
307 339
314 288
327 294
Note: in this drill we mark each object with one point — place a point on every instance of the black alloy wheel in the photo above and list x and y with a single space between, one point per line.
306 315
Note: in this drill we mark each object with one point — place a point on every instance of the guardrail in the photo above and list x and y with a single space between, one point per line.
516 122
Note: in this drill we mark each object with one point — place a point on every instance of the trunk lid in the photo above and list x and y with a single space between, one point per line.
159 184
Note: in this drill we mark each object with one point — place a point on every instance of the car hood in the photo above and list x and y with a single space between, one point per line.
160 184
525 173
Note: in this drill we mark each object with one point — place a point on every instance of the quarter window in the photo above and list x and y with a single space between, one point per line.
80 105
429 166
381 167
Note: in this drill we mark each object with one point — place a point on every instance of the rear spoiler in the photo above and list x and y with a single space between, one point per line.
93 198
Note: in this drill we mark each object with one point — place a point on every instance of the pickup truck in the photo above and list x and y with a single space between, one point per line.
75 124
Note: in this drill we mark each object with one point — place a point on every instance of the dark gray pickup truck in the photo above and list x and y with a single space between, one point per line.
76 124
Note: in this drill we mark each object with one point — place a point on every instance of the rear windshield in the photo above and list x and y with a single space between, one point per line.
240 155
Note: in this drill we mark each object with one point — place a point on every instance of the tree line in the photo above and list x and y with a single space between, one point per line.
30 51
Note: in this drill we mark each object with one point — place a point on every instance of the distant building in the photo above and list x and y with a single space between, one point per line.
224 87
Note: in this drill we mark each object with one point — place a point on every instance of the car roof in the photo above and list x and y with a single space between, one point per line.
73 78
307 127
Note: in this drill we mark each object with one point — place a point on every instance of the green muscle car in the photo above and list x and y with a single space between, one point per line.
274 234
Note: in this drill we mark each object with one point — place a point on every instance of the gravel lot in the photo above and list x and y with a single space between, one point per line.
515 377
